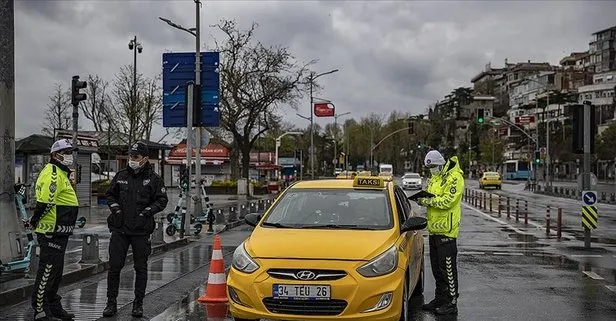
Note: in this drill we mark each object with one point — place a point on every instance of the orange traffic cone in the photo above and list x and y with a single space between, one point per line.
216 311
216 289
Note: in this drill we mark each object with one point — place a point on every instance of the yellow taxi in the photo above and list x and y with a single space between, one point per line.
330 249
364 173
346 175
387 176
491 179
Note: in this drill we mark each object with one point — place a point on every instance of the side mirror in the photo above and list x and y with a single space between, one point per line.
414 223
252 219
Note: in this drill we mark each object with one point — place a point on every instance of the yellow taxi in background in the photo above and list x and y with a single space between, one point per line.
330 249
491 179
346 175
387 176
364 173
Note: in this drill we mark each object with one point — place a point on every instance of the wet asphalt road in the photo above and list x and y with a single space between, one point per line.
503 276
571 209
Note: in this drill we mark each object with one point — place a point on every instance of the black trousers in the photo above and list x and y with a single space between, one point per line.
118 248
45 299
443 259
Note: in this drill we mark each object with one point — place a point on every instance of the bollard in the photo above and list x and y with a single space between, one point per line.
517 210
89 249
232 214
210 221
525 212
243 211
500 206
253 207
157 235
261 206
559 223
547 221
490 203
508 208
220 217
483 195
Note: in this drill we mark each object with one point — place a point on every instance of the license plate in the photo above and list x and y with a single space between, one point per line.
301 292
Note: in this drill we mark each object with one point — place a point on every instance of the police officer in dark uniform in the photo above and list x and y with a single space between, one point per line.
135 195
53 221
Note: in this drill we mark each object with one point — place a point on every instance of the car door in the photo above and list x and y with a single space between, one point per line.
413 239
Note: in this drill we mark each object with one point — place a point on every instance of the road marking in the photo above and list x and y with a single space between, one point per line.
517 230
508 253
593 275
471 253
586 255
611 287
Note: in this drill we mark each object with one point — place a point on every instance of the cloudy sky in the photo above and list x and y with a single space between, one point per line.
397 55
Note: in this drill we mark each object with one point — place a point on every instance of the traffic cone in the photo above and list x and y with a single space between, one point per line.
216 311
216 289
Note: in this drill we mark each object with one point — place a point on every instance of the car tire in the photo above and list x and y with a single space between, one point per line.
419 286
404 313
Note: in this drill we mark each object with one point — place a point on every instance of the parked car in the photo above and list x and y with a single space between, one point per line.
411 181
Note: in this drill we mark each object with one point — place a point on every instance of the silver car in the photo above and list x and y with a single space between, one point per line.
411 181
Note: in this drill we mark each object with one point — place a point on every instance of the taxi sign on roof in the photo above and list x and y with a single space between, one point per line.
369 182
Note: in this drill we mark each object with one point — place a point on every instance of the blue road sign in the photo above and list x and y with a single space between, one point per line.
178 70
589 198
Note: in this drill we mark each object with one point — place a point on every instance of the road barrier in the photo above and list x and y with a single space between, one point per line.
486 201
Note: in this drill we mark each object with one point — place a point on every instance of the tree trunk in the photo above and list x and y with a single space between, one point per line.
246 165
234 158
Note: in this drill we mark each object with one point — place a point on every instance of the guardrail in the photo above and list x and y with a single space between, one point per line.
486 202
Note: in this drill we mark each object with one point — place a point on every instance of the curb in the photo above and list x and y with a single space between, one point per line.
16 295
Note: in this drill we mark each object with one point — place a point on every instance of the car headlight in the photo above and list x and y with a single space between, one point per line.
242 260
381 265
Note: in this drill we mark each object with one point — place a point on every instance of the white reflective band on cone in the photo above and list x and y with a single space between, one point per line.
217 278
217 255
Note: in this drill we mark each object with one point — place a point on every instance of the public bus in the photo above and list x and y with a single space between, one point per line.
516 169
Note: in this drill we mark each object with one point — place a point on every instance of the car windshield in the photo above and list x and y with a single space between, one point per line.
332 209
411 176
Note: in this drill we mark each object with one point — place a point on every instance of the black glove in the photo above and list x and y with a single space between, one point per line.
115 208
146 212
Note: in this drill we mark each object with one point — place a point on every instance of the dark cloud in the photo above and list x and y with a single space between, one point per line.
396 55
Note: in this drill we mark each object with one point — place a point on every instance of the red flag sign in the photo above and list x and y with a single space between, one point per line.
324 110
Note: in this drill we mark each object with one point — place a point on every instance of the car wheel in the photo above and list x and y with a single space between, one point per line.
404 314
419 286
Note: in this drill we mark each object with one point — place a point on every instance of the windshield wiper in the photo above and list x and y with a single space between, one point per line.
338 226
276 225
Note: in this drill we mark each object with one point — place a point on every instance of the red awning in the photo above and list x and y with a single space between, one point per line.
204 161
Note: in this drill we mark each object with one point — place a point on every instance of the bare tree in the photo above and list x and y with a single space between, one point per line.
256 80
98 102
151 100
127 110
58 113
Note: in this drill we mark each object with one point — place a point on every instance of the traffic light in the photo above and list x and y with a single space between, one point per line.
480 116
77 96
537 157
411 127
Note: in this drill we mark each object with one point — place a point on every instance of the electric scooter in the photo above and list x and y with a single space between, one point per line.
20 265
175 218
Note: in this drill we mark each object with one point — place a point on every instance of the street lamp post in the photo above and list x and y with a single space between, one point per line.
134 46
336 136
196 32
312 78
278 141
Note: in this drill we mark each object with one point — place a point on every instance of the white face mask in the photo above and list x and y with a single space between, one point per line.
134 164
68 160
435 170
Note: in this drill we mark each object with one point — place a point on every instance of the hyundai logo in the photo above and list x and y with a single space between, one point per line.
306 275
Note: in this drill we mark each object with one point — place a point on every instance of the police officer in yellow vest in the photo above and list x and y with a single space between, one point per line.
443 213
53 221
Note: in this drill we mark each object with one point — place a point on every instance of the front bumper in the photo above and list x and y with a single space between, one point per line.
411 185
250 295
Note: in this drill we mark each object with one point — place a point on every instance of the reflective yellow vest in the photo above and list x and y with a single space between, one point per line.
444 211
53 187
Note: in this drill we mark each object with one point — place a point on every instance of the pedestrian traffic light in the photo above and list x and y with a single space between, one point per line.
411 127
537 157
480 116
77 96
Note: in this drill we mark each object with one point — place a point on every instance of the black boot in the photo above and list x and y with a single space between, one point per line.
137 309
60 313
448 308
435 303
111 309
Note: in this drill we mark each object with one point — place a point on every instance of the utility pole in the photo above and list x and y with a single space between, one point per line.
8 216
587 150
198 201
